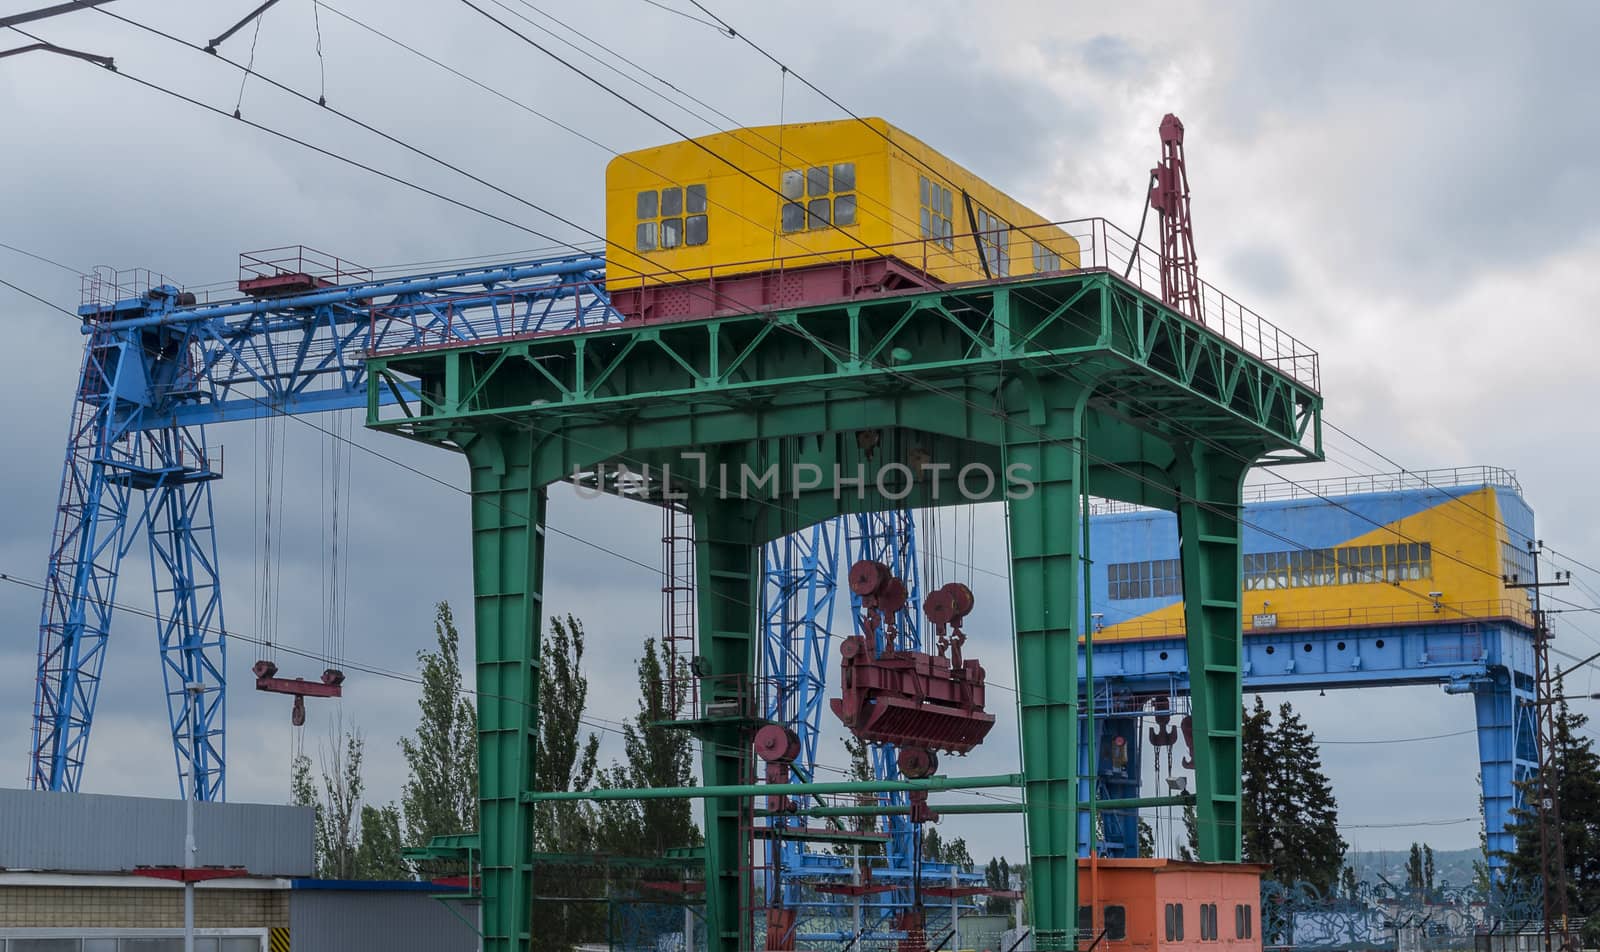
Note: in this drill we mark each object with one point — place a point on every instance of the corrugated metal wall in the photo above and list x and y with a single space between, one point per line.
327 920
91 833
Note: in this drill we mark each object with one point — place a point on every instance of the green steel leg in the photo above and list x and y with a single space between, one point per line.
1208 527
728 566
1045 572
507 577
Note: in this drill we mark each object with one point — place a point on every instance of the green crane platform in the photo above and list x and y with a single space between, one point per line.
1079 384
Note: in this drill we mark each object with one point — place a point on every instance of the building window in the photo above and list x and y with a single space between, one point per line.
1208 922
1407 562
1515 562
994 240
670 218
1086 919
818 197
1174 922
1243 923
1312 567
1160 578
1116 921
1044 259
1266 571
937 211
1360 563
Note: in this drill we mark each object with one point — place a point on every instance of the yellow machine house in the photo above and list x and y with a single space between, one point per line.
784 215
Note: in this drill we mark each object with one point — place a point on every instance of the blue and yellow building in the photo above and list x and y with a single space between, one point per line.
1385 580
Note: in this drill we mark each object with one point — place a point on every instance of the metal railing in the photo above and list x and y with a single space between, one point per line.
1450 477
1385 483
299 259
1100 246
104 286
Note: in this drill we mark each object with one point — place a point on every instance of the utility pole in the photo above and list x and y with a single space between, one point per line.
1547 693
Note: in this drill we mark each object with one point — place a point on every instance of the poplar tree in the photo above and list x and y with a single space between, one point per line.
657 754
567 759
440 797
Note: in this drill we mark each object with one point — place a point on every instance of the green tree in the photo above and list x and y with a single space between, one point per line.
351 840
1414 871
1427 869
339 833
1147 840
566 761
1347 882
1190 850
1576 780
440 797
860 770
378 855
997 876
1258 775
1304 814
656 754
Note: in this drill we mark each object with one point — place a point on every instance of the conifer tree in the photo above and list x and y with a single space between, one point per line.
1258 773
1305 816
1577 783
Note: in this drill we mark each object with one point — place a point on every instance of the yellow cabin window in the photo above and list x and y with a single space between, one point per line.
671 218
994 238
1044 259
818 197
936 212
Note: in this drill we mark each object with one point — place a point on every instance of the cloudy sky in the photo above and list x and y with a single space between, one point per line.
1404 186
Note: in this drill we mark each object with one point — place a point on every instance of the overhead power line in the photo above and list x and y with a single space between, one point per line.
45 13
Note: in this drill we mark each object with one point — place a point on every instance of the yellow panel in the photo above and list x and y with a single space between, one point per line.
742 173
1466 538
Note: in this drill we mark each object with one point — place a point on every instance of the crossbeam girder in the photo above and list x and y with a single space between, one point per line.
1098 326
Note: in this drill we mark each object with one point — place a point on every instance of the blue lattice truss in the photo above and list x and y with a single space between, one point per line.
156 371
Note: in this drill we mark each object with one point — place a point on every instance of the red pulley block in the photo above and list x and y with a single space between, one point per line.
867 576
776 743
917 763
961 596
892 598
939 607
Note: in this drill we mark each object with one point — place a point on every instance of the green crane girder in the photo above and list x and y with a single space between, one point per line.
1081 382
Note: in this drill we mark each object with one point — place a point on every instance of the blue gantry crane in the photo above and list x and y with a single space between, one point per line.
158 368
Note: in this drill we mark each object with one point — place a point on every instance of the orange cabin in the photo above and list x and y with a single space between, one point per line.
1146 905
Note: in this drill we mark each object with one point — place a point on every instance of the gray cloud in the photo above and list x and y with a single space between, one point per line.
1401 184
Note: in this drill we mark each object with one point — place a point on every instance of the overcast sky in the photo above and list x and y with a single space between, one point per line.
1407 187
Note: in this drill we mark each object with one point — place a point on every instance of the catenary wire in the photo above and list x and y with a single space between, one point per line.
464 205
